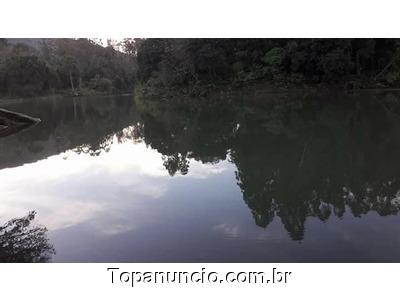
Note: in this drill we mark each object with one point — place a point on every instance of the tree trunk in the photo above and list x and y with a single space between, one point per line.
71 81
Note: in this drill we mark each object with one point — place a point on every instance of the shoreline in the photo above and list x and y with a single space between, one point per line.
211 90
9 100
257 87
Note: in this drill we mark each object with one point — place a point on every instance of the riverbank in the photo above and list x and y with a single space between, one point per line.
263 90
9 100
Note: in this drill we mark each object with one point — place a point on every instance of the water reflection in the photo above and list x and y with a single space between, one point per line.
304 157
87 124
12 122
300 159
20 241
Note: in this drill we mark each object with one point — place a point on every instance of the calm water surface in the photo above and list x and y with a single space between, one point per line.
272 178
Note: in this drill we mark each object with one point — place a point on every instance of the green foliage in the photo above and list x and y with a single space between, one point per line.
50 65
336 64
274 57
353 63
40 66
25 75
393 77
101 84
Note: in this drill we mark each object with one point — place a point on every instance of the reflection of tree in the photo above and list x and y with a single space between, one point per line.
314 161
294 159
131 133
66 125
95 149
20 241
175 163
183 131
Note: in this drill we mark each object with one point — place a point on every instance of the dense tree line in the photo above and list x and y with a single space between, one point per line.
79 66
191 63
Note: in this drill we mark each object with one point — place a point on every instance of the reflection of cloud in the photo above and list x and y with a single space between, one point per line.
73 190
232 231
113 227
95 189
246 231
64 212
202 171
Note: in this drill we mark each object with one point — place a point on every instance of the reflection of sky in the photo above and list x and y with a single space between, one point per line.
69 188
123 206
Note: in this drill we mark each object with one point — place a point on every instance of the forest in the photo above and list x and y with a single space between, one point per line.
30 67
197 63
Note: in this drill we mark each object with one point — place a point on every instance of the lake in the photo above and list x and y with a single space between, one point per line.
255 176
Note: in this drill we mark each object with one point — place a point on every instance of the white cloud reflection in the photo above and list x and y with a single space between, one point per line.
82 188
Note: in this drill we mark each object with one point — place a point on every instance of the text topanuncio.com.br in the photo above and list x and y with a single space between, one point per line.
203 276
